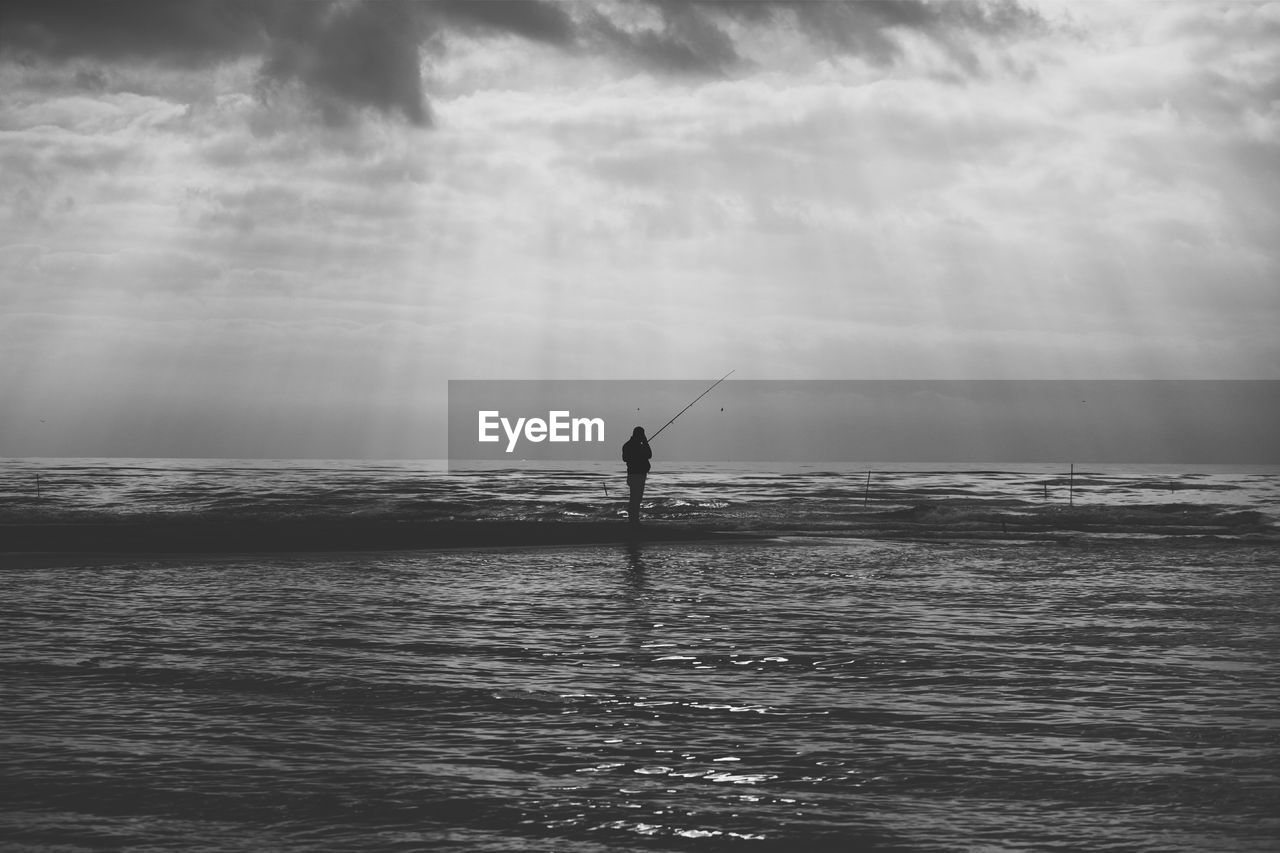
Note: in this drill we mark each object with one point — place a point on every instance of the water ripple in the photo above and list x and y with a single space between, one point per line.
803 694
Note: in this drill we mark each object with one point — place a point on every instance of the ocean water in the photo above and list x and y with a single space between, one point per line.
942 658
874 501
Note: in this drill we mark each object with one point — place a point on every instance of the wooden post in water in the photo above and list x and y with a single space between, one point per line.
1071 486
866 491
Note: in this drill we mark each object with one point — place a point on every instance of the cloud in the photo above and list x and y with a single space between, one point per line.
684 39
349 56
533 19
363 54
709 37
344 55
193 32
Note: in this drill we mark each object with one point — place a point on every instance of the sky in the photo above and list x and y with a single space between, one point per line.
278 228
1201 421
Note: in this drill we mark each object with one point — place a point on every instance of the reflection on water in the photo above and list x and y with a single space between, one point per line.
797 695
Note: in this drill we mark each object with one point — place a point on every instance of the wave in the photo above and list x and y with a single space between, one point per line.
1161 519
169 497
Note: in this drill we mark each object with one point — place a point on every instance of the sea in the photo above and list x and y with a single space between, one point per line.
897 657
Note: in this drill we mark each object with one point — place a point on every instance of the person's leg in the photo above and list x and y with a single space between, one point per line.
636 483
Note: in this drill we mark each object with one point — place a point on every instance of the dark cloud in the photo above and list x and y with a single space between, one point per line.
868 28
352 54
693 35
687 40
190 32
347 54
864 29
532 19
360 54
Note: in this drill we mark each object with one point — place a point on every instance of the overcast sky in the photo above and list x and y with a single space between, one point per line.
991 421
277 228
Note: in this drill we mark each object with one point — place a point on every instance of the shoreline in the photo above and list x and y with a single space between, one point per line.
188 537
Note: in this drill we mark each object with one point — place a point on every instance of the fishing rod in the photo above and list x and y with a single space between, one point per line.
688 407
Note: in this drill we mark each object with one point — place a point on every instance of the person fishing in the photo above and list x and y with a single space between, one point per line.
636 453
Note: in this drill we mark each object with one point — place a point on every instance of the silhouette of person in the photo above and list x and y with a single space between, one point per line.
636 454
